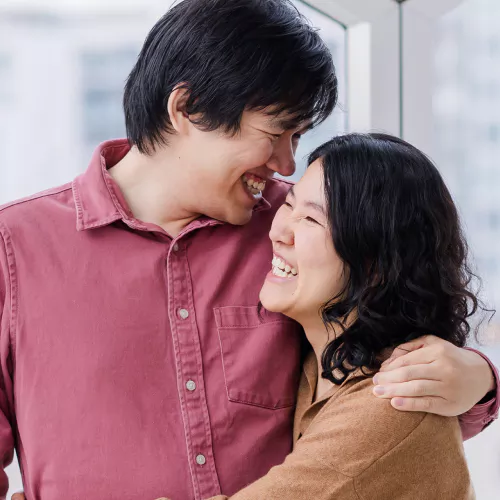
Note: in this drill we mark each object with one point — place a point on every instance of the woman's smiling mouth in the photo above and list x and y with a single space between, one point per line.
282 269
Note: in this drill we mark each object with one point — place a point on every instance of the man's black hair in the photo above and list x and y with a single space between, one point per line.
229 56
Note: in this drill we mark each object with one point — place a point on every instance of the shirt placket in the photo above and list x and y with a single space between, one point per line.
189 370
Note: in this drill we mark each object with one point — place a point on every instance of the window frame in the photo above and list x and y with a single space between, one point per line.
398 98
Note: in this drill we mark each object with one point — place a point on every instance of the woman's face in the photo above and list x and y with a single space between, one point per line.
306 270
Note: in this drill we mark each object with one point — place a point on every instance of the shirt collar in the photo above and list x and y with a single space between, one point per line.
100 202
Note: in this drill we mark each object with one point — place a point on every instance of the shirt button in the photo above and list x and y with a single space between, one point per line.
183 314
175 248
201 460
190 385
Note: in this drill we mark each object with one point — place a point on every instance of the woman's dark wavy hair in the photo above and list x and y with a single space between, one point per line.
230 55
397 230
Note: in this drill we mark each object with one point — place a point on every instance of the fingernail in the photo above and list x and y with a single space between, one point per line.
375 379
398 402
379 390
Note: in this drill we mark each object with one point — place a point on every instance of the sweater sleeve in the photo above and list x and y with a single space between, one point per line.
360 448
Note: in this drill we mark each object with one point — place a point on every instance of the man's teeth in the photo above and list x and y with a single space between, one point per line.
254 186
281 269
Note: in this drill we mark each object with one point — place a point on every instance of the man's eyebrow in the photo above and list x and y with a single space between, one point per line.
291 124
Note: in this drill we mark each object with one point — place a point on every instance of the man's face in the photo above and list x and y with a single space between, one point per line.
228 174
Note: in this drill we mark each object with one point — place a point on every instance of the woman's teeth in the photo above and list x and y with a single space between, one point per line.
282 269
254 184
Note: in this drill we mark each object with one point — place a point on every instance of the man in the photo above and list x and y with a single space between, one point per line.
134 362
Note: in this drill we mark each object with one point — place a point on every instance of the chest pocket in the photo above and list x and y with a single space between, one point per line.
260 356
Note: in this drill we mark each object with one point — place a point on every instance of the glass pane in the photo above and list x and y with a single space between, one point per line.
467 148
5 102
68 62
334 35
103 77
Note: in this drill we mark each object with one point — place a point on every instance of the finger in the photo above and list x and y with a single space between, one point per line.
427 405
18 496
413 389
411 346
407 373
423 356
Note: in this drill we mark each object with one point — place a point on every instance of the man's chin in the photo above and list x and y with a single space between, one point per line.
239 218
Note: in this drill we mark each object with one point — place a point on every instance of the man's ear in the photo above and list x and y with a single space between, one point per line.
176 108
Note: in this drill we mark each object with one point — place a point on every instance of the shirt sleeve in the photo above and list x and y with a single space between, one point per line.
6 434
485 412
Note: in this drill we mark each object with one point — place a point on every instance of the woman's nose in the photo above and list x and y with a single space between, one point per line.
281 229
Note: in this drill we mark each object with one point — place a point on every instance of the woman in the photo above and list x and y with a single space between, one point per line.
368 254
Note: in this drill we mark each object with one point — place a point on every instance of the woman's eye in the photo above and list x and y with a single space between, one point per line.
310 219
287 204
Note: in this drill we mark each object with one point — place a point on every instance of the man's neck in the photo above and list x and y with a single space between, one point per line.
151 188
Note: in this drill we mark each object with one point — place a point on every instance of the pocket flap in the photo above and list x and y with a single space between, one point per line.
245 316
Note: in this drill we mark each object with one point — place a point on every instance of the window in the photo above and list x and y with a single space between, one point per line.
5 112
334 35
466 109
5 67
103 80
467 124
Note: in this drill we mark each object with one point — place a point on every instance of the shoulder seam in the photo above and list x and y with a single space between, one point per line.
42 194
358 496
392 448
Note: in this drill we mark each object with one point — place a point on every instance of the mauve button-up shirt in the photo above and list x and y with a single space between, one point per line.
134 365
